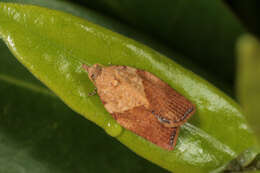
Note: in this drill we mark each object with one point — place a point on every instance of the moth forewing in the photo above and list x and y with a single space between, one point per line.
141 102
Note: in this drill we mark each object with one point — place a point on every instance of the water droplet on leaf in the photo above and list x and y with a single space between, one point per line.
113 128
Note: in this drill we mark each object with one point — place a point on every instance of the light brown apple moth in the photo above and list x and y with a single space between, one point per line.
141 102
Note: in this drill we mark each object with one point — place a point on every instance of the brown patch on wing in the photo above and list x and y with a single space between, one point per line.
120 89
142 122
169 107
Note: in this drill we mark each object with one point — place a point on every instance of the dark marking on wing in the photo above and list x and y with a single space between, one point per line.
174 136
160 118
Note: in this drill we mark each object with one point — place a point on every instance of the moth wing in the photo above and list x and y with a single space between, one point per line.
169 107
140 121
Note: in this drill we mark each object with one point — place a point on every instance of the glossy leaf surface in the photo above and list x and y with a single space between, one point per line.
125 30
40 145
39 134
54 45
204 31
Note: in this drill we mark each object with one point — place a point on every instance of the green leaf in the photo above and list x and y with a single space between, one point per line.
54 45
247 161
205 31
118 27
49 132
249 79
39 134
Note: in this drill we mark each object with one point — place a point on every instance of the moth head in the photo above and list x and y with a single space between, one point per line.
93 71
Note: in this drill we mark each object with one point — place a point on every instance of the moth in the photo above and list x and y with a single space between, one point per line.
141 102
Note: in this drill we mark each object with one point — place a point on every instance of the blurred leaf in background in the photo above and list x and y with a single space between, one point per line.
249 79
